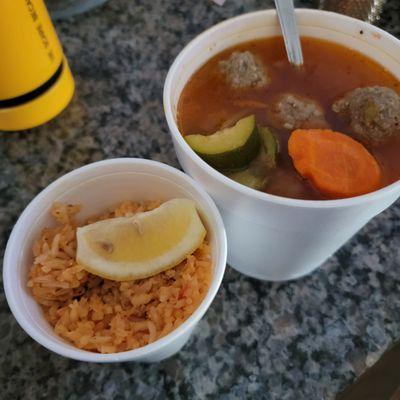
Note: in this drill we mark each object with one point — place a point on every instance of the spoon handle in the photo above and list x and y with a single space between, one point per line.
287 20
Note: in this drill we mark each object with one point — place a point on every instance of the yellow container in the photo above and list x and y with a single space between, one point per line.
35 80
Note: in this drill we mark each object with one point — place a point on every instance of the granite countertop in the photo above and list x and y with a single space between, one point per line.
305 339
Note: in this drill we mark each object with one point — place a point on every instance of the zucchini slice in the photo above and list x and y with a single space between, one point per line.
257 172
230 148
269 145
248 178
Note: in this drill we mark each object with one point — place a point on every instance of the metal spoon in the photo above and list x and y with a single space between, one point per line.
287 20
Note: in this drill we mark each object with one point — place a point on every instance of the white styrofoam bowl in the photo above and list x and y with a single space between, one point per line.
271 237
98 186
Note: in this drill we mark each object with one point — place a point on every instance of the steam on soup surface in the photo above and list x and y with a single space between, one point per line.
240 109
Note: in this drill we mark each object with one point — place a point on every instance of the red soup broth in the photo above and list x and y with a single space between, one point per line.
330 70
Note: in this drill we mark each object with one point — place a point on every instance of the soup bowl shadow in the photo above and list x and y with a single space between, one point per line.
271 237
97 187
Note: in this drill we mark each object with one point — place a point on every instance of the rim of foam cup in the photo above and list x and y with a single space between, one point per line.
20 311
209 34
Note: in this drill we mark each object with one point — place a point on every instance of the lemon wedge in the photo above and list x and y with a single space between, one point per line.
141 246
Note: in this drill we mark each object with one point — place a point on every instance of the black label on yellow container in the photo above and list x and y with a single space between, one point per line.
15 101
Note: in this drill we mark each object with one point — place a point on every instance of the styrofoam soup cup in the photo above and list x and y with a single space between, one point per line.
97 187
271 237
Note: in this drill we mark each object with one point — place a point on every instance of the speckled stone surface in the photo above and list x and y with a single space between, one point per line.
306 339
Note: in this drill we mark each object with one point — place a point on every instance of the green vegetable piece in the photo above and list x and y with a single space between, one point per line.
270 146
247 178
230 148
256 174
371 111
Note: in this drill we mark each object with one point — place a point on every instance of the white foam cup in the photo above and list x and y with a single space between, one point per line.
97 187
271 237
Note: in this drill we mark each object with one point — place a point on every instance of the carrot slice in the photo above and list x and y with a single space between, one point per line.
337 165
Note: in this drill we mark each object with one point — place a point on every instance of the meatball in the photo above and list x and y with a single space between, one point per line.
244 70
372 112
291 111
